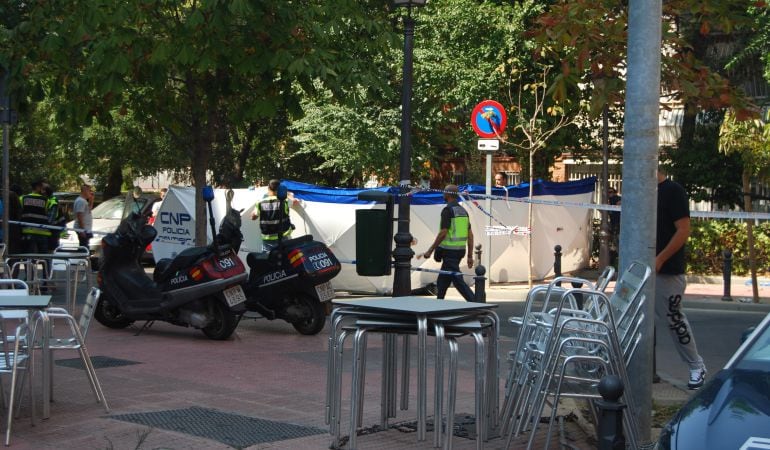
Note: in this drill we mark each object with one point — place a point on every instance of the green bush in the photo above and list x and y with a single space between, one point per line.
709 238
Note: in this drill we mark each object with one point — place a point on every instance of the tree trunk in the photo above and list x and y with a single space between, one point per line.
114 181
604 241
746 178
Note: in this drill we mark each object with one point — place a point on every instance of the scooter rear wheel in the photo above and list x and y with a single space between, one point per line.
315 319
223 321
109 315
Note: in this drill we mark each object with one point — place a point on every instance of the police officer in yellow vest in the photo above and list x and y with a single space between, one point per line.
273 217
34 209
450 244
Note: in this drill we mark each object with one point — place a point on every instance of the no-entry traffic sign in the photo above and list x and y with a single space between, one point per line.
488 119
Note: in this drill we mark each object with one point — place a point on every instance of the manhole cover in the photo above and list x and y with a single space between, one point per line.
231 429
99 362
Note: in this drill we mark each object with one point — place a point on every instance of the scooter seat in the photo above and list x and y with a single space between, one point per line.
165 270
289 243
255 258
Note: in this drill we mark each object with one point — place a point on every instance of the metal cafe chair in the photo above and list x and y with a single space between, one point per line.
4 266
73 340
33 273
75 262
14 287
16 358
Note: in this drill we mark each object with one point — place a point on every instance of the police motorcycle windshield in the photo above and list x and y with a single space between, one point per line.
134 228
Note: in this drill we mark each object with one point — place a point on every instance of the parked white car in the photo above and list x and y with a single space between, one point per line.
107 216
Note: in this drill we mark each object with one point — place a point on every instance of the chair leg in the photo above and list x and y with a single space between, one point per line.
96 387
404 374
481 381
336 399
12 393
438 400
451 394
362 382
358 349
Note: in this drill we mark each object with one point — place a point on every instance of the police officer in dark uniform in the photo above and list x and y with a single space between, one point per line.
450 244
56 217
34 209
273 215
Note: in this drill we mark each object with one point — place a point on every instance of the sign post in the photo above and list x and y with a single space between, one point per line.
488 120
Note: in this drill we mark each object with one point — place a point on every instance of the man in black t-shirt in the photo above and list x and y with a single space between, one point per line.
673 229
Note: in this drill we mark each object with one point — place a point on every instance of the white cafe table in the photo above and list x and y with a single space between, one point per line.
421 309
38 304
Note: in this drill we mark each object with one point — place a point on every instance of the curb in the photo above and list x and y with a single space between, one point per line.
716 303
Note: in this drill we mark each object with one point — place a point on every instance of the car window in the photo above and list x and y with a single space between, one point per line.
760 350
109 209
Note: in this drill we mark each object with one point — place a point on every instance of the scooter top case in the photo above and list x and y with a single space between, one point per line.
301 260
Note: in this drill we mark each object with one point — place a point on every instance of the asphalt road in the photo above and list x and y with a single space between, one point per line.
717 333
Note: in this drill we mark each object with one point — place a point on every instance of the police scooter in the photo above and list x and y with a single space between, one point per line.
200 287
290 282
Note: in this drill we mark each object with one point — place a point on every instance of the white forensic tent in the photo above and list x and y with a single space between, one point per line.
329 215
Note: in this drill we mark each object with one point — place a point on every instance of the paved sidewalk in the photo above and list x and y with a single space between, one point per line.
172 388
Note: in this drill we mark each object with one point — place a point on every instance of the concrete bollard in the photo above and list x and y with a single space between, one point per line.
610 412
727 269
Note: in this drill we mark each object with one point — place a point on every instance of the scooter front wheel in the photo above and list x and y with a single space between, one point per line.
314 315
109 315
222 320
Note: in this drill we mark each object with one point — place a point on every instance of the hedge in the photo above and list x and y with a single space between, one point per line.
708 240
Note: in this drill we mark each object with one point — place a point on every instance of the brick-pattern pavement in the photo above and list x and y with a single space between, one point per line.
267 371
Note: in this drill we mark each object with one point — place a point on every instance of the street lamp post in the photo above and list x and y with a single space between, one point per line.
403 253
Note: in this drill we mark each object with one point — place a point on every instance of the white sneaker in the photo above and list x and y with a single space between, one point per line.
697 377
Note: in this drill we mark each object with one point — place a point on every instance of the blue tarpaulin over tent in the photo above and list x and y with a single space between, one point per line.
313 193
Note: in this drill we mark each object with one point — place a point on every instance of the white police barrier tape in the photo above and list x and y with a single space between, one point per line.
419 269
737 215
52 227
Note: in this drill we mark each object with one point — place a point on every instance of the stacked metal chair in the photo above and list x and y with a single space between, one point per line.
539 301
564 351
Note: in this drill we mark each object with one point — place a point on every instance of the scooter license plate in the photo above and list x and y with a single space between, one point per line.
325 291
234 295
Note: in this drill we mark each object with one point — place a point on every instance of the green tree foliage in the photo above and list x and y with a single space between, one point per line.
465 51
589 38
706 173
709 239
197 71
